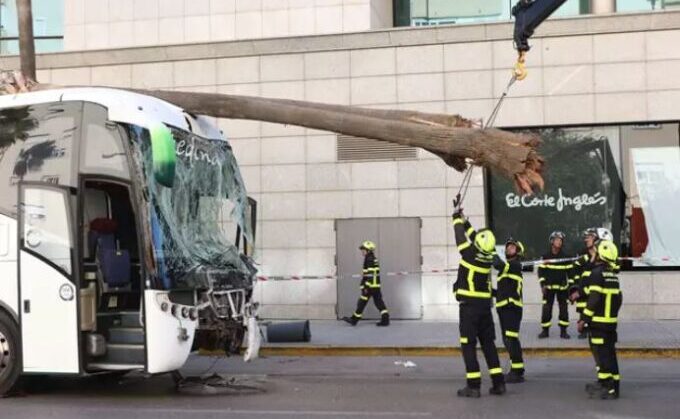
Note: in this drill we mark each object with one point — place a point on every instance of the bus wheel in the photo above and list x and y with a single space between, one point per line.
10 357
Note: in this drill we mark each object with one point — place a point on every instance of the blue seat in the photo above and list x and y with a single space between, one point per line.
114 264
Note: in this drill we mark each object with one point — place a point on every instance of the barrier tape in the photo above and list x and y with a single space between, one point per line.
265 278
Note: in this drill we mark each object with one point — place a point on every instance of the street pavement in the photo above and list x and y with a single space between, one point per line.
356 387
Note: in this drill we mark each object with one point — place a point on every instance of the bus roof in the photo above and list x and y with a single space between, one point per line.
123 106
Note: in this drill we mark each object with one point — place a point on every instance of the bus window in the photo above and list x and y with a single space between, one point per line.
45 230
36 144
102 145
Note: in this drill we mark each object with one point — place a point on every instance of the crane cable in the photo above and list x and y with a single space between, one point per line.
465 184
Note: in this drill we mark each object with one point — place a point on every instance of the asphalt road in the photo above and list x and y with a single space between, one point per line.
353 387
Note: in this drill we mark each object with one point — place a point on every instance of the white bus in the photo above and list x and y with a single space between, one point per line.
125 235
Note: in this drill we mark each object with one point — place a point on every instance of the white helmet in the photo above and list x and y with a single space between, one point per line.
604 234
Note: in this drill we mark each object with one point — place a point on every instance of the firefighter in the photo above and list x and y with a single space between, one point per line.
554 280
508 295
600 316
370 287
473 292
582 266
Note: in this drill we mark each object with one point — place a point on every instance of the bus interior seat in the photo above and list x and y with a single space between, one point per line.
114 264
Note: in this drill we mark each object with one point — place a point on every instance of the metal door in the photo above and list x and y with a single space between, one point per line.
48 291
398 250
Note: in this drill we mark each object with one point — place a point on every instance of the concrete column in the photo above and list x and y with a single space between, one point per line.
602 6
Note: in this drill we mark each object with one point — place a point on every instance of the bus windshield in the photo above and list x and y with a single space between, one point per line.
198 225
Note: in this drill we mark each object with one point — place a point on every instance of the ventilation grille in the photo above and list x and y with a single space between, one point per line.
363 149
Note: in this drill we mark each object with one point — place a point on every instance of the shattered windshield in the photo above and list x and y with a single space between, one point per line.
197 224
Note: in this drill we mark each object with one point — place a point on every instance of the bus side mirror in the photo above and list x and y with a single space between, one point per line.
163 154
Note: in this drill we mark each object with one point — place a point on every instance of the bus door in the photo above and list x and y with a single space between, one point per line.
48 290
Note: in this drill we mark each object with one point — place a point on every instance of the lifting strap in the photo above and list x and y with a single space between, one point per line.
465 184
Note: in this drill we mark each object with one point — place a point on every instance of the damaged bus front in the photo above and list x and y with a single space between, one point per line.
202 227
126 236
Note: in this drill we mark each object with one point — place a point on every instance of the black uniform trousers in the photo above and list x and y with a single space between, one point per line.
603 344
550 296
476 323
366 294
510 318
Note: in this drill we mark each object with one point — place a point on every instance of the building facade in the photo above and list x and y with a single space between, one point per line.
614 77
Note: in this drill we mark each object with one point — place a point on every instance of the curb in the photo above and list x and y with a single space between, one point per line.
444 351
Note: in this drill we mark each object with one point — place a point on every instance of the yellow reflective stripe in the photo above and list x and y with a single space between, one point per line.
511 276
546 324
358 315
472 375
603 375
463 246
511 334
517 303
474 268
502 303
594 288
470 231
563 323
463 340
556 267
581 304
597 341
609 320
457 221
505 302
588 312
616 377
475 294
494 371
363 298
518 365
544 301
384 312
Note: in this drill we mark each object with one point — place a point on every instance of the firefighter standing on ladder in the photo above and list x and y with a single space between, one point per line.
473 292
370 287
554 280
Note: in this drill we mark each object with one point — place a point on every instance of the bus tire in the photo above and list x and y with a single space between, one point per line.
10 353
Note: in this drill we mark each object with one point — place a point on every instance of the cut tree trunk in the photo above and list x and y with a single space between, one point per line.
450 137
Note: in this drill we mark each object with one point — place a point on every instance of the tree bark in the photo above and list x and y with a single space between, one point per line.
26 40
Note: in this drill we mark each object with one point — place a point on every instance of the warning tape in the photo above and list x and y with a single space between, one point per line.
304 277
265 278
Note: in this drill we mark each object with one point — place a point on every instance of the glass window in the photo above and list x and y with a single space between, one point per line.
440 12
102 144
37 143
48 26
46 226
625 178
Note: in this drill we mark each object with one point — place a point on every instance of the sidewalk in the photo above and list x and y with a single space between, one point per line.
337 337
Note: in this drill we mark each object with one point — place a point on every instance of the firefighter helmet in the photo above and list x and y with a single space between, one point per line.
485 241
608 251
367 245
518 244
557 235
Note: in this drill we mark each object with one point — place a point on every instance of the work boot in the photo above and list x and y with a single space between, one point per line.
514 377
609 391
351 320
594 388
564 334
544 334
469 392
384 320
498 389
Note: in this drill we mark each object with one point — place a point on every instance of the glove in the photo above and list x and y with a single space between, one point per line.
458 213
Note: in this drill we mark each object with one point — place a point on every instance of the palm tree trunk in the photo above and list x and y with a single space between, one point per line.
450 137
26 40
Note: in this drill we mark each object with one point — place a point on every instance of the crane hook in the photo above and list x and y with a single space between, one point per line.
519 71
